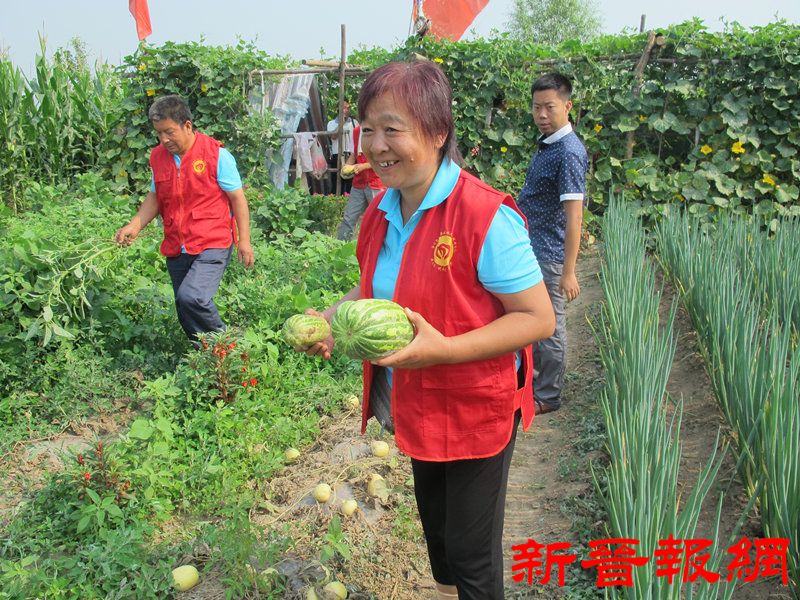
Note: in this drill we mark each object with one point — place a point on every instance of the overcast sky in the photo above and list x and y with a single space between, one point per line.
308 28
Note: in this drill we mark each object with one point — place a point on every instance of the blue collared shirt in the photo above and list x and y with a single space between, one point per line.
557 173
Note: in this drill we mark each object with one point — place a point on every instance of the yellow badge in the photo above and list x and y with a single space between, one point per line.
443 250
199 166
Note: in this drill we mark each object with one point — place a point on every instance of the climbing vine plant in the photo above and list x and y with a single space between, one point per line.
215 82
716 124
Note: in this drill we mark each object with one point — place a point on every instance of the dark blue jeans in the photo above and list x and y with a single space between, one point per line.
195 280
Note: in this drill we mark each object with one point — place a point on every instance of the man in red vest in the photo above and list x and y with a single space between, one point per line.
197 190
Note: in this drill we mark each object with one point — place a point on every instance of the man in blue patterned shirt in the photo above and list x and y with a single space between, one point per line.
552 200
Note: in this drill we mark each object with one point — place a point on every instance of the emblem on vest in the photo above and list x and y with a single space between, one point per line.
443 249
199 166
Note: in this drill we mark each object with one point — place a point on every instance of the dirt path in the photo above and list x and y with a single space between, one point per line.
549 471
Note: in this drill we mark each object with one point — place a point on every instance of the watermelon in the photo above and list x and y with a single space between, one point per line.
300 331
371 329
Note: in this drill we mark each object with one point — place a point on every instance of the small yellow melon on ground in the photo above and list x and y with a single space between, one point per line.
335 590
349 507
353 401
291 454
322 493
379 448
185 577
376 487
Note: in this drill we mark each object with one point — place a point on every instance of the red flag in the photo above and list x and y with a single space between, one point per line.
141 14
450 18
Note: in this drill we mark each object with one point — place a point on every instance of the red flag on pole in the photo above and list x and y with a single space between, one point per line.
450 18
141 14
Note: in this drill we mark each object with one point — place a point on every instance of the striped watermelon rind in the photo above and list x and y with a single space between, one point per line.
371 329
300 331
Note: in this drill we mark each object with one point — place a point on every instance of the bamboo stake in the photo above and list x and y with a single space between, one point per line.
342 66
638 74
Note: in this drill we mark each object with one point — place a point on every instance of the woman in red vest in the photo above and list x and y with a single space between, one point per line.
456 253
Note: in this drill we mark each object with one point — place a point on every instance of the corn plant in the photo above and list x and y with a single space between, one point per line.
53 123
643 438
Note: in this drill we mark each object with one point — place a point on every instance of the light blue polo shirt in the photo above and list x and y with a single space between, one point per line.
228 176
506 264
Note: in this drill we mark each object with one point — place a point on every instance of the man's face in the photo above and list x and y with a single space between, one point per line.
346 110
550 111
175 137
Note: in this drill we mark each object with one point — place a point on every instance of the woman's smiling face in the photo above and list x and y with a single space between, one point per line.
397 148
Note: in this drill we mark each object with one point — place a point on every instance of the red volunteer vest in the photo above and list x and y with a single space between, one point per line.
460 411
368 178
195 210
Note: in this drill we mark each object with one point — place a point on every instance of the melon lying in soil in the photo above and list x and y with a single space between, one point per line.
371 329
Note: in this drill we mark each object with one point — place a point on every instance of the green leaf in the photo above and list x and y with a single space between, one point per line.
781 128
786 149
61 332
84 523
735 120
140 429
629 123
511 138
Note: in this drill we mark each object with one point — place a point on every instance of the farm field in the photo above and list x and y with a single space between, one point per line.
125 452
551 496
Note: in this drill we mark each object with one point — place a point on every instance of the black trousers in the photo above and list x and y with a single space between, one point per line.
461 505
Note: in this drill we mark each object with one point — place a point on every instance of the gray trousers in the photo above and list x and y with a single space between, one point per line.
550 354
195 280
356 205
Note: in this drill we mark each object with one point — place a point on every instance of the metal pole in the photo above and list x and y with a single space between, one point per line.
641 23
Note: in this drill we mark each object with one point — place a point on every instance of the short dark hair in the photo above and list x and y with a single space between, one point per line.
427 94
553 81
170 107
